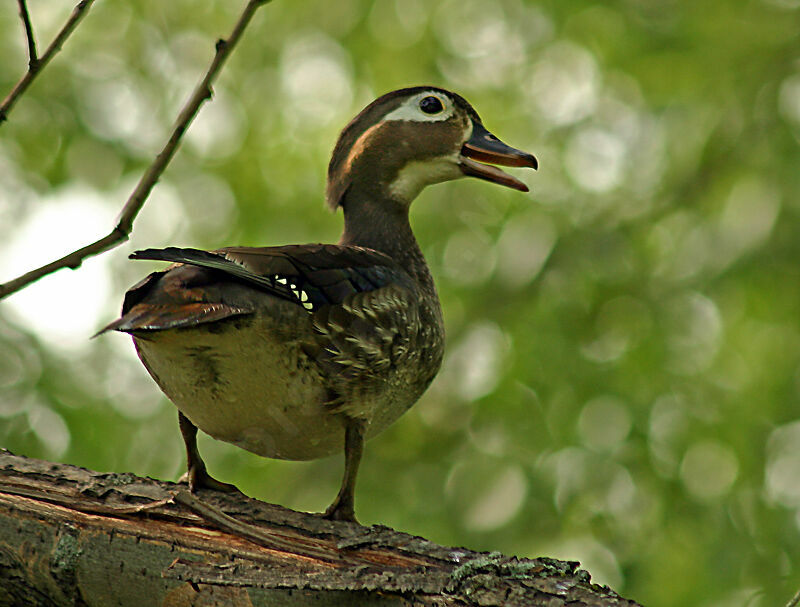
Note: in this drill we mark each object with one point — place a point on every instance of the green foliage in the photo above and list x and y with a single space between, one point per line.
621 386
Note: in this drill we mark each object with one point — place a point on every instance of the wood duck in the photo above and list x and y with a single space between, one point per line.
296 351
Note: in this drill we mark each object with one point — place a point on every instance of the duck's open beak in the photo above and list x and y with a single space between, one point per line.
483 148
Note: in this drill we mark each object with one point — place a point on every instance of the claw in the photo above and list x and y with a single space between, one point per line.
339 511
199 478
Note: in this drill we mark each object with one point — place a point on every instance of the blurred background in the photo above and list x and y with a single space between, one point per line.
622 380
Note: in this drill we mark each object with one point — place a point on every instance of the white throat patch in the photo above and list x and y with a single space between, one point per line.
410 109
416 175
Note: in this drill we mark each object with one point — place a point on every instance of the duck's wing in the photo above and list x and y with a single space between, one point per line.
208 286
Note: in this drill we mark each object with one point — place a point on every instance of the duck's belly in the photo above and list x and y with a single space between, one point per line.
247 387
246 381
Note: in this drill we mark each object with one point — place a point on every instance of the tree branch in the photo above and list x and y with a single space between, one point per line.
35 65
72 536
142 190
33 58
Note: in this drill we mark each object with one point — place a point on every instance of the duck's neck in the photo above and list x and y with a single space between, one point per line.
376 223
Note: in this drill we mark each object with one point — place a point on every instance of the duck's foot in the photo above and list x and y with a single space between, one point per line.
199 478
339 511
196 475
342 508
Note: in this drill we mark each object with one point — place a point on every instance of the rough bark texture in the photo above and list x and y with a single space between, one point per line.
70 536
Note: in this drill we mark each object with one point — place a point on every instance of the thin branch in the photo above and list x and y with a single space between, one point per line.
142 190
36 66
33 58
795 600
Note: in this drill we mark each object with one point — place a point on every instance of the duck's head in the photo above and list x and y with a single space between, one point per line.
414 137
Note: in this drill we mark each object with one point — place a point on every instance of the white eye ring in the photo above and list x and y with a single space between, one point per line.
411 109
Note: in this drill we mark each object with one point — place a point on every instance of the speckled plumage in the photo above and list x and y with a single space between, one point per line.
209 330
296 351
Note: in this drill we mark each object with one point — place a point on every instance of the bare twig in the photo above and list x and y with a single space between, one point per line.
139 195
33 58
795 600
35 65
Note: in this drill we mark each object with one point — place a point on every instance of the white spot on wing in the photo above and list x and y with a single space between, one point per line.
299 293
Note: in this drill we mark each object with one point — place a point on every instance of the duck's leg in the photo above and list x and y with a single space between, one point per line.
196 472
342 508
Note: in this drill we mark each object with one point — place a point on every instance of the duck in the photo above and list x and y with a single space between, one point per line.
299 352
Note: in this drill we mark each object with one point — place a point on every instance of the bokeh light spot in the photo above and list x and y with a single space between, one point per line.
523 247
62 309
499 502
709 469
783 464
50 428
595 159
469 258
694 332
604 423
317 81
474 364
564 83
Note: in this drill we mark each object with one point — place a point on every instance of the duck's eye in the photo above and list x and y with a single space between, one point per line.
431 105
